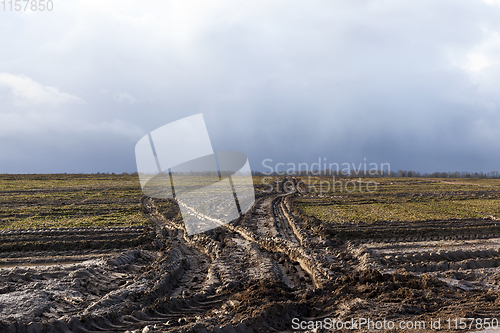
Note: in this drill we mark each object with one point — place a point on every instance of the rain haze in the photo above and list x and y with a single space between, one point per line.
415 84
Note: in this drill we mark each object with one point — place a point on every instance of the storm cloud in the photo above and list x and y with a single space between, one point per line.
414 84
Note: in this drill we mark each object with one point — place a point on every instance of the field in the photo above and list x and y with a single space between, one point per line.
402 200
83 253
60 200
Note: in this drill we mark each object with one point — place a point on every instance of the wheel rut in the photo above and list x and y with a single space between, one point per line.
254 274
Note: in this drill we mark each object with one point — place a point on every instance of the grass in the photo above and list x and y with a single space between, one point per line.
60 200
263 185
401 199
76 200
42 201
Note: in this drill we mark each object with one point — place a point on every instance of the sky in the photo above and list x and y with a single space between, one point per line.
415 84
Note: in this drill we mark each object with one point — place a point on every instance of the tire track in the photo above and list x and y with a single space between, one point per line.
282 223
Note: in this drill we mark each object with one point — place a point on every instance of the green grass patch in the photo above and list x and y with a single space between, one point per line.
401 199
61 200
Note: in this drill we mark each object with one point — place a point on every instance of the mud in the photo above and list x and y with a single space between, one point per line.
255 274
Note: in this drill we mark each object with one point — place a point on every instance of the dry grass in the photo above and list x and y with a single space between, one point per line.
403 199
43 201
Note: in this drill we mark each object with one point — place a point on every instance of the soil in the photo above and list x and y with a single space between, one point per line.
262 273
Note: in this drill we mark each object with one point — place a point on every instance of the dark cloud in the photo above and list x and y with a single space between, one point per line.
413 84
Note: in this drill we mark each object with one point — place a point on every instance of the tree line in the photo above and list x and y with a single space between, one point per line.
384 173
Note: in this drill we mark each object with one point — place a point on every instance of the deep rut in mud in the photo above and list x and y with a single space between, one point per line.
252 275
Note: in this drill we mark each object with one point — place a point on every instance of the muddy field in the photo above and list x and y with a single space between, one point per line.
253 275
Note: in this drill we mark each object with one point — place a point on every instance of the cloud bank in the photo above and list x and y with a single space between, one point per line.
26 92
413 84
